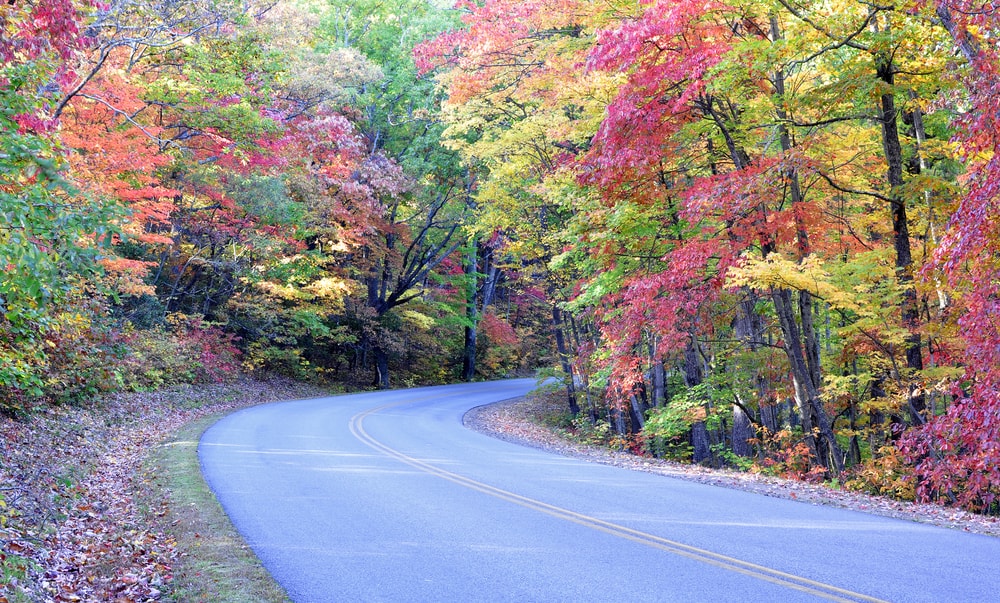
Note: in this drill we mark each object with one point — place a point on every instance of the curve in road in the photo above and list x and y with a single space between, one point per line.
387 497
753 570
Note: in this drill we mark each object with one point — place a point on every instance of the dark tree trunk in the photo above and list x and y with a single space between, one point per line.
658 379
617 420
810 338
854 449
472 314
910 309
742 432
567 367
825 448
750 328
381 368
692 364
701 444
693 375
637 414
469 355
769 417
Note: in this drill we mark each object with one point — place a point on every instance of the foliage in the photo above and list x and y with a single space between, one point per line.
50 239
787 456
710 199
885 474
186 350
732 229
956 452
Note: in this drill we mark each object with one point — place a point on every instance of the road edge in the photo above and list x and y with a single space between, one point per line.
522 422
216 564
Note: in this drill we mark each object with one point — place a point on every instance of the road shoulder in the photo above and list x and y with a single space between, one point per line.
523 421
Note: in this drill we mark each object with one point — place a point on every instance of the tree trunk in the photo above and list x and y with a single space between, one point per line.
381 368
692 365
693 375
965 42
469 355
825 448
910 309
769 417
472 314
617 420
700 443
659 383
750 328
637 414
854 449
742 432
492 272
567 367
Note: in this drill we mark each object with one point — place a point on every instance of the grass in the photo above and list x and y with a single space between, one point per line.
217 566
13 568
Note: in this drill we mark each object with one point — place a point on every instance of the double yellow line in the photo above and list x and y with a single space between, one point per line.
760 572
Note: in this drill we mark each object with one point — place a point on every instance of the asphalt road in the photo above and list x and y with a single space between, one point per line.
387 497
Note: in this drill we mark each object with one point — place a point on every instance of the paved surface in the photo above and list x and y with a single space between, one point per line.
387 497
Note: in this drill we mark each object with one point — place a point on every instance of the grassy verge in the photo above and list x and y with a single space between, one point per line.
216 566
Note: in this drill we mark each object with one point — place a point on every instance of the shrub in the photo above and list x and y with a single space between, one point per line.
885 474
71 356
288 362
787 455
187 350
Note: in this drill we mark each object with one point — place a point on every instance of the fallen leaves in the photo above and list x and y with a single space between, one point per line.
73 530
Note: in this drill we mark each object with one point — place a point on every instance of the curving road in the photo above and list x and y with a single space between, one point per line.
387 497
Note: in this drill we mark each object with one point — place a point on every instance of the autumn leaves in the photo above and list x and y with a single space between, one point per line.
730 179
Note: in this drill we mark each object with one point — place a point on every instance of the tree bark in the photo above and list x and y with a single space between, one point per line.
659 383
693 375
813 415
742 432
702 447
637 414
471 313
965 42
381 368
469 354
567 367
769 417
885 71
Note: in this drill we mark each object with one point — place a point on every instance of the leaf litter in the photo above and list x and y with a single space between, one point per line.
72 527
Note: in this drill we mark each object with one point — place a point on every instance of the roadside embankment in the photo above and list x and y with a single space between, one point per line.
105 502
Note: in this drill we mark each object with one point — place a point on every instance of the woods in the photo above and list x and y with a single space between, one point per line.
757 234
191 187
761 216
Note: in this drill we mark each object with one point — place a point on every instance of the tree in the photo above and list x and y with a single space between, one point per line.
418 186
517 113
49 240
956 452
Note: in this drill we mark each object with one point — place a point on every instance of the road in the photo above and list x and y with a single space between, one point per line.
387 497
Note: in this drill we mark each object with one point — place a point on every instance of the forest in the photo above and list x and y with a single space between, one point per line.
759 234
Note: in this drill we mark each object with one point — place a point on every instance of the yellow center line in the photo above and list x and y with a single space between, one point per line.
799 583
